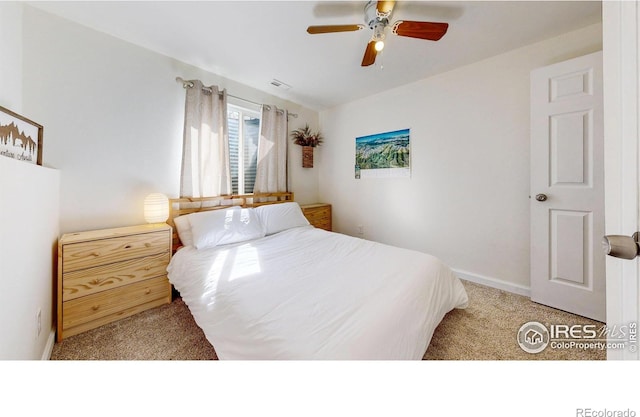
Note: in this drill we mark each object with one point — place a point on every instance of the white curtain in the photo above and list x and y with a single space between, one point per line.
271 172
205 152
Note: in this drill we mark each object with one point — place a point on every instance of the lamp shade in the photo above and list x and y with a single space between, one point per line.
156 208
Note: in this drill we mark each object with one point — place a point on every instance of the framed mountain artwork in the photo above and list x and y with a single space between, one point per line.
383 155
20 138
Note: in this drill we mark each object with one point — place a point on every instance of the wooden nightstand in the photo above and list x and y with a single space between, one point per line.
319 215
106 275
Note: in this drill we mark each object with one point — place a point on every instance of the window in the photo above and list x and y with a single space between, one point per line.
244 131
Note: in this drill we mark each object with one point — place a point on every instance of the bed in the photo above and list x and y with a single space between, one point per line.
263 283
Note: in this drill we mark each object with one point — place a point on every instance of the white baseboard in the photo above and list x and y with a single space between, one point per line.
48 348
494 283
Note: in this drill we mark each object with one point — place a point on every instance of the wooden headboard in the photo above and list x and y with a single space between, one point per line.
187 205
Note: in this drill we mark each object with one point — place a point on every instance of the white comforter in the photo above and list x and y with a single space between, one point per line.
306 293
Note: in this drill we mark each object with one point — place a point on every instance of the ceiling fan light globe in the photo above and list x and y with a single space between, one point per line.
379 46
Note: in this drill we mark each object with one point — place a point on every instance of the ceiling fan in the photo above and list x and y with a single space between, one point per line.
376 17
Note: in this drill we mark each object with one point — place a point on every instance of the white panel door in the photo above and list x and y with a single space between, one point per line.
567 187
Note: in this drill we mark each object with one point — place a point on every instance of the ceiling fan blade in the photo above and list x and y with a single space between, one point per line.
333 28
385 7
431 31
369 54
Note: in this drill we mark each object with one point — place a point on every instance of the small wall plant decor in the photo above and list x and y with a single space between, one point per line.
308 140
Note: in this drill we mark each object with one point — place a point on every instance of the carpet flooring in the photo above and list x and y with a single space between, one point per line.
486 330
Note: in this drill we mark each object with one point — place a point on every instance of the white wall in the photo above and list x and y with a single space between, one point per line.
29 215
467 201
29 205
11 53
113 116
28 238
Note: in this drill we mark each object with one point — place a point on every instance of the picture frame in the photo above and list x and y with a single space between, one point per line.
20 138
383 155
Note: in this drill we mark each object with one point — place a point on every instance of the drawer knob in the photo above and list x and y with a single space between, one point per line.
148 244
95 307
96 254
128 247
147 291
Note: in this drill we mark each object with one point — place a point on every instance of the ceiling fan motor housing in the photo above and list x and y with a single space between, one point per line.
373 18
376 21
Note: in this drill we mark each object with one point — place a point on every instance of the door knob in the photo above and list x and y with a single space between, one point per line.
625 247
541 197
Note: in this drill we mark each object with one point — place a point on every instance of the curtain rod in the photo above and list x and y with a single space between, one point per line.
189 84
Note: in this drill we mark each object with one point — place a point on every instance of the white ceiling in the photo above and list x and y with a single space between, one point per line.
253 42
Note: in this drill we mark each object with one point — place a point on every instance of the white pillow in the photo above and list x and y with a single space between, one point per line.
221 227
183 227
281 216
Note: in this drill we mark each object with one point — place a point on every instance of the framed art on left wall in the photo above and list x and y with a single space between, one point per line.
20 138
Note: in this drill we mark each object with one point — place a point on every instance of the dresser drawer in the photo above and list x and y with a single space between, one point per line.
100 252
321 224
94 310
316 215
105 277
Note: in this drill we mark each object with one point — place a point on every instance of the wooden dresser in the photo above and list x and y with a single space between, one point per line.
106 275
319 215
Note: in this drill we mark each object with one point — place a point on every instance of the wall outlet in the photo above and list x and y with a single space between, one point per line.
38 322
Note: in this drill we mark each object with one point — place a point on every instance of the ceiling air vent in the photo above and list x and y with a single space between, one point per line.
280 84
